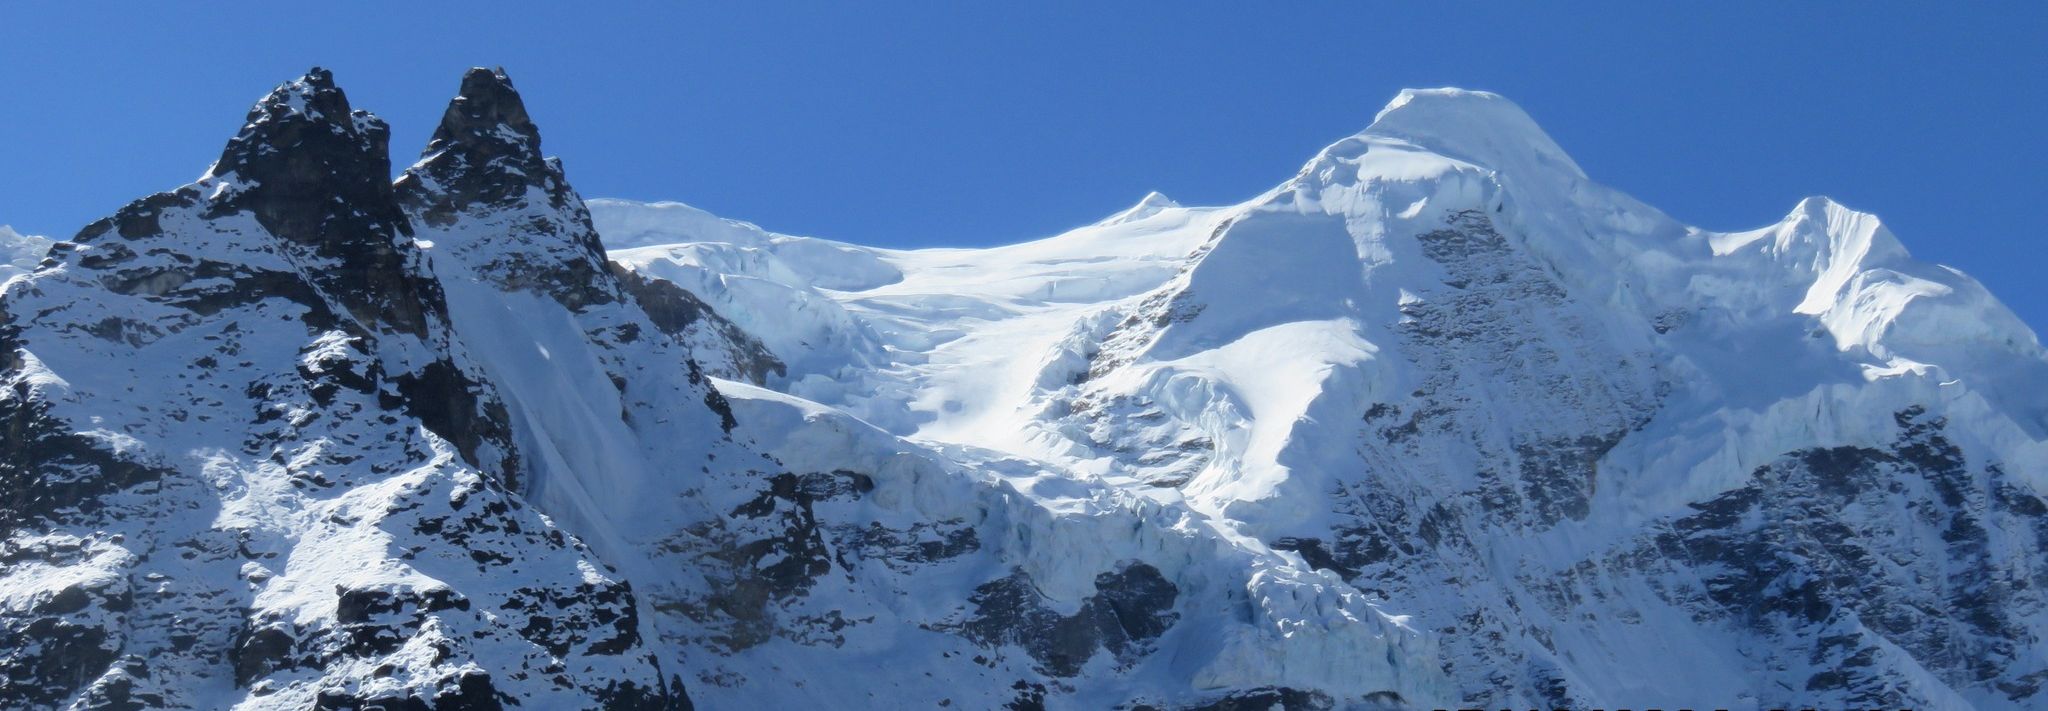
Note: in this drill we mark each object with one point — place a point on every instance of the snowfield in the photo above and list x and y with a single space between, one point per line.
1451 271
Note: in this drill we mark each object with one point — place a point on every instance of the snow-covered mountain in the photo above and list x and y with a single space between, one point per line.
1438 422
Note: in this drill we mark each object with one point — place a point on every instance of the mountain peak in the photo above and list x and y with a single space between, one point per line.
1827 218
485 163
1478 127
1152 204
487 109
1157 199
313 95
314 170
308 115
486 151
1854 238
1821 207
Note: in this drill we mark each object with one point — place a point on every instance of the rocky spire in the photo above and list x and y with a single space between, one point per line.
487 111
495 203
313 170
316 174
486 152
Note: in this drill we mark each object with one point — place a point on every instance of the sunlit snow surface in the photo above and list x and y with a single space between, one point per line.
1228 367
962 340
20 252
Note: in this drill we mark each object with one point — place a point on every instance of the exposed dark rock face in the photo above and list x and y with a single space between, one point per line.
1133 605
527 229
487 141
1791 556
679 313
495 209
470 691
772 548
54 653
316 174
799 552
1267 699
1500 318
458 406
51 475
303 145
796 538
906 550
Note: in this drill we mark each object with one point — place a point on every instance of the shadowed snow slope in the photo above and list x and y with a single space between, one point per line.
1594 456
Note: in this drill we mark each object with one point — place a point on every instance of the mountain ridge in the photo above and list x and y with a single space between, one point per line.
1436 421
1907 332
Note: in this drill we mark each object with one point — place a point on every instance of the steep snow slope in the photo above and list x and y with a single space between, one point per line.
1572 440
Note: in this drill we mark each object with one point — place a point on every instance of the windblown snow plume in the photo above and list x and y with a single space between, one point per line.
1437 422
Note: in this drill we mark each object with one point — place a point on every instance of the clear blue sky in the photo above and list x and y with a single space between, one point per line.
927 123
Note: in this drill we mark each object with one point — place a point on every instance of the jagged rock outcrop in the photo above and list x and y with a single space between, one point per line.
315 174
682 315
248 462
484 169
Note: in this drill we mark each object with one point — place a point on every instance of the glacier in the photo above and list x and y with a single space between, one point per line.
1436 422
